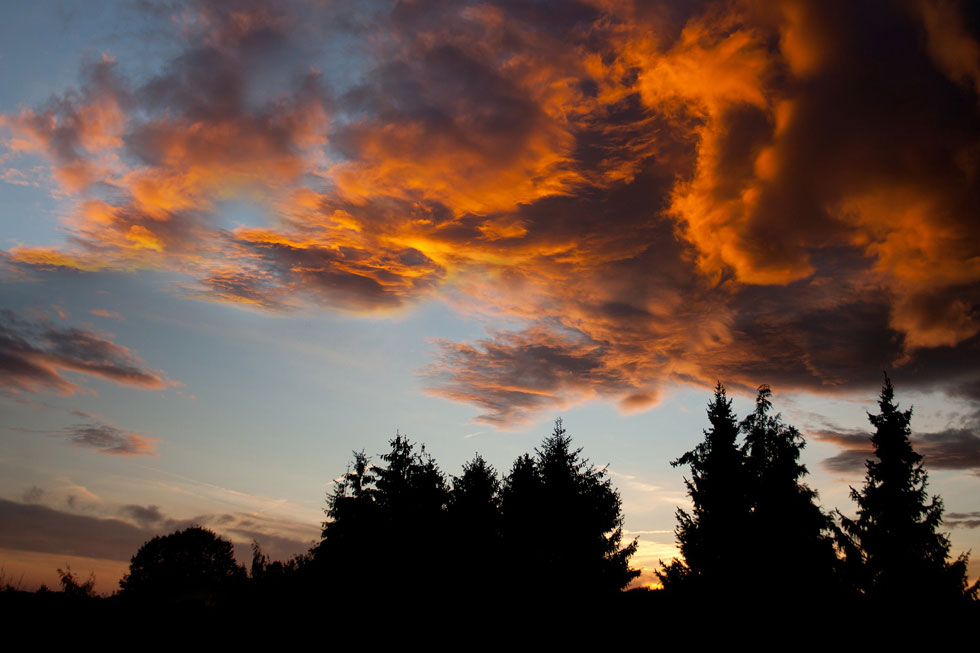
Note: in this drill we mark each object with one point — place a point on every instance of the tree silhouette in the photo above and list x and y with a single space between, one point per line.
193 565
712 554
474 519
524 548
563 522
386 524
788 537
347 547
894 549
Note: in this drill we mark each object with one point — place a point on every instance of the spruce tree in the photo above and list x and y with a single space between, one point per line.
894 548
563 524
387 525
474 522
709 536
788 536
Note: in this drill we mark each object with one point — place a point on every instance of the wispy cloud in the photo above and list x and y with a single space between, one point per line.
34 355
104 438
102 312
962 519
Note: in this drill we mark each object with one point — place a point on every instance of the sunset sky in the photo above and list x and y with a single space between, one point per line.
242 239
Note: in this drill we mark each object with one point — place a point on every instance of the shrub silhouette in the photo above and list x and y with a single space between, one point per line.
73 587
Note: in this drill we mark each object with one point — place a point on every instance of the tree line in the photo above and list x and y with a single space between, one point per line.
756 528
551 529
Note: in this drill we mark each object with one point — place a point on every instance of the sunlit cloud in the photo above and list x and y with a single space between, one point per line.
107 439
630 196
35 355
103 438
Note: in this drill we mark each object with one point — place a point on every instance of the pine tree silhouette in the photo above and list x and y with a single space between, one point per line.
708 536
895 550
474 520
788 536
563 524
386 529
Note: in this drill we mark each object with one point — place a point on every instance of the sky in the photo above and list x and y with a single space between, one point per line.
240 240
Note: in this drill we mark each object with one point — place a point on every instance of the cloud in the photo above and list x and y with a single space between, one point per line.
856 449
643 193
104 438
39 528
107 439
80 130
954 449
950 449
33 494
34 355
111 315
517 373
144 515
34 527
962 519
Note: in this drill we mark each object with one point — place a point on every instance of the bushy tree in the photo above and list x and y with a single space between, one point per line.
894 548
709 536
192 565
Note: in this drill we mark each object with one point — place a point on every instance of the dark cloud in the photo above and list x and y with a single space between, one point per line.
144 515
516 373
950 449
38 528
953 449
962 519
33 356
855 446
32 527
107 439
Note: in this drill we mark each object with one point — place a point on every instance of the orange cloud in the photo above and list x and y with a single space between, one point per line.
753 191
109 440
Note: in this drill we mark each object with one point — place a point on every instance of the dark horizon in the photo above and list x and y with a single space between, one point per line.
242 239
